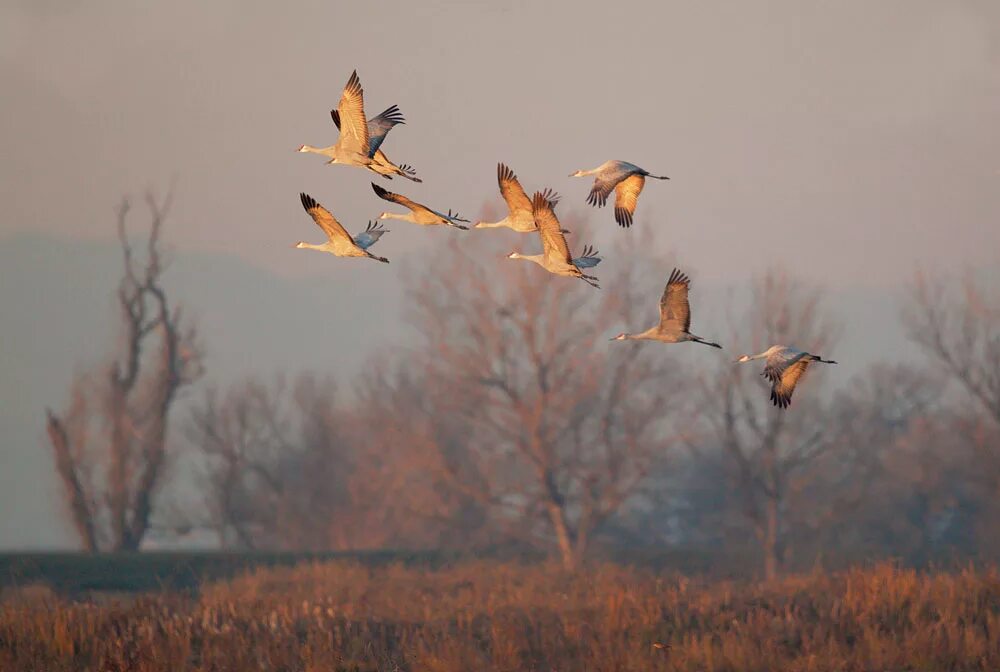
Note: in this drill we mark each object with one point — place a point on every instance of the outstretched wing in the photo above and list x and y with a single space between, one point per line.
626 197
588 258
380 125
351 109
674 308
553 241
511 190
783 386
386 195
370 235
334 231
603 184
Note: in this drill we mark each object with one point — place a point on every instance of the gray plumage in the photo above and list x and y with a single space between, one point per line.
784 366
626 179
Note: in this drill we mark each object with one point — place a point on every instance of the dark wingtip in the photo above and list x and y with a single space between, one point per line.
308 202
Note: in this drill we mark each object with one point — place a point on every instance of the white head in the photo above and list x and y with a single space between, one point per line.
300 245
620 337
742 358
384 215
578 173
303 148
514 255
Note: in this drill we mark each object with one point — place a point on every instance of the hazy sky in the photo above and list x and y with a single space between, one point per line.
847 141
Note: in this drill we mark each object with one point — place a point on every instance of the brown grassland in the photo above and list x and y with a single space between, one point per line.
507 616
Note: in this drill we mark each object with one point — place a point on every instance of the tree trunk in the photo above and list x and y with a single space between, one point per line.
771 559
563 536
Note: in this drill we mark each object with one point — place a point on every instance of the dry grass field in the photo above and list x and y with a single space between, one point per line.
346 616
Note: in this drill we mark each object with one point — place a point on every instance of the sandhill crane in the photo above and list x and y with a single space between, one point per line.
419 214
675 315
555 257
519 213
626 179
353 145
339 242
378 127
784 367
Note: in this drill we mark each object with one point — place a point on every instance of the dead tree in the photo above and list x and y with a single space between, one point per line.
110 447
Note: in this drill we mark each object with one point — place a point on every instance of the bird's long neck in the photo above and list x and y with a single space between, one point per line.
322 247
325 151
408 217
537 258
491 225
649 334
592 171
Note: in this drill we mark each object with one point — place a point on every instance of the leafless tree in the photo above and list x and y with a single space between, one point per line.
275 466
957 325
110 446
769 450
556 427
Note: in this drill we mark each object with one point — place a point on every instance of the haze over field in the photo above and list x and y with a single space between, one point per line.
849 143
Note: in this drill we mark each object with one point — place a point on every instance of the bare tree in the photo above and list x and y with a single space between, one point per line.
119 421
558 427
769 450
959 329
276 466
957 326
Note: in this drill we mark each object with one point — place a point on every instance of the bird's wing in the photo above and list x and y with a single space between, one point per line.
351 109
335 115
626 196
334 231
553 241
369 236
674 307
784 385
380 125
777 362
395 198
588 258
511 190
604 182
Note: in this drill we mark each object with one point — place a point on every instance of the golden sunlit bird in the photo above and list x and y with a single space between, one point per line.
353 146
339 242
378 127
419 214
519 211
675 316
555 257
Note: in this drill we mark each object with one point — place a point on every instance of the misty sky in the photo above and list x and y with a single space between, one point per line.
850 142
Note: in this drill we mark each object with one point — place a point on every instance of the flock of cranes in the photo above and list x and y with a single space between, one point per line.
360 144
